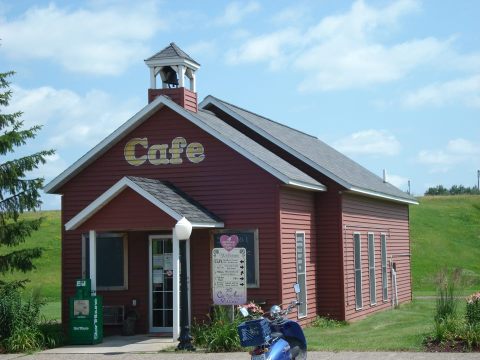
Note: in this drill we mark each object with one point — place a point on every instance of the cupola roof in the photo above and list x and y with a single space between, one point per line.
171 52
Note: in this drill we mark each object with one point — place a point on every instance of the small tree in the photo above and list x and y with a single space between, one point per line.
17 192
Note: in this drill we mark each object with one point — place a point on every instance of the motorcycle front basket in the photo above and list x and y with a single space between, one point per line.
254 332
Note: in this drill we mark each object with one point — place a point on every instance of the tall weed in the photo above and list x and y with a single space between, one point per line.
448 283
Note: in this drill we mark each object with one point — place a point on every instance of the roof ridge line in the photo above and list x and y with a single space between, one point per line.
264 117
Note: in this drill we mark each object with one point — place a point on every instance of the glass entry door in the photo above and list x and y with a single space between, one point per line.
161 283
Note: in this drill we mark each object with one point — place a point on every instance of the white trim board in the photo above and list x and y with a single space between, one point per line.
116 189
142 116
211 100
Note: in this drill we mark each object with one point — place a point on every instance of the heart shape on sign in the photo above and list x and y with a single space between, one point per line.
229 242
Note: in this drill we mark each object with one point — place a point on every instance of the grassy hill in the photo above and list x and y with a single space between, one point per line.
46 277
445 232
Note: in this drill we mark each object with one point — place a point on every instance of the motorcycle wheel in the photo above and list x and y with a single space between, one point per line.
297 346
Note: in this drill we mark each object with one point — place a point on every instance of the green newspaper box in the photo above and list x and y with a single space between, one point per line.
86 315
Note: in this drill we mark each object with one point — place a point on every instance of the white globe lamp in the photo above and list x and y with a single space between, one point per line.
183 229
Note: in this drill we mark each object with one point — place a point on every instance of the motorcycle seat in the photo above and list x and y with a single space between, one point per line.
276 335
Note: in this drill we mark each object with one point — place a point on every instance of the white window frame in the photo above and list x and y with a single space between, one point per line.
125 259
370 268
384 255
304 273
355 270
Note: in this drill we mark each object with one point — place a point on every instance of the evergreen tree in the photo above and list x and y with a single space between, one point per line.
17 192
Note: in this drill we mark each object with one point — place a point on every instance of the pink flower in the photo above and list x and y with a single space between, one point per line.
473 298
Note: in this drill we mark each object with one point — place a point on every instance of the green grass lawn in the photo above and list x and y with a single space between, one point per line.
394 330
46 276
52 310
445 232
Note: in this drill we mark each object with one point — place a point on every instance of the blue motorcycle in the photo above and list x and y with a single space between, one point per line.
276 338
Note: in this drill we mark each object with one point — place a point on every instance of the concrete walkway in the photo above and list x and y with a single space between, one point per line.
119 345
144 347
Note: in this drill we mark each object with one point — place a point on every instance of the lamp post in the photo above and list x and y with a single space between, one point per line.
183 230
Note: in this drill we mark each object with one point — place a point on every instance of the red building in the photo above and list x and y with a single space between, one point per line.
305 212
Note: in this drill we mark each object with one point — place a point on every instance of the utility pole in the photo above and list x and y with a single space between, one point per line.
409 192
478 180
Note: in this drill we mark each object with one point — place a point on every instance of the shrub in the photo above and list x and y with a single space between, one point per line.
447 328
327 323
52 334
24 339
472 313
219 333
21 328
471 335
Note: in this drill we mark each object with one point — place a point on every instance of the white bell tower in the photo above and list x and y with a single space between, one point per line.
174 67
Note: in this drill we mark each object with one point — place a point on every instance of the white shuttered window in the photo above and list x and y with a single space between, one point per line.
383 240
371 268
358 270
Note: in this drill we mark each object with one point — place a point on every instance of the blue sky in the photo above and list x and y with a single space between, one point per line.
392 84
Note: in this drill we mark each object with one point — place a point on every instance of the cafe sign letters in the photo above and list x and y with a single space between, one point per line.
139 151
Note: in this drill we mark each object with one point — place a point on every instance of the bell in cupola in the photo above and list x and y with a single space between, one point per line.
169 77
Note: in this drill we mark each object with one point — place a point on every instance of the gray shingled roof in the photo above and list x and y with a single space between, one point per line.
172 51
326 159
176 200
255 149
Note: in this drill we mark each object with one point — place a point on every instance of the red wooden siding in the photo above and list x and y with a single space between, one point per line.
128 211
330 252
231 186
200 273
364 215
297 213
182 96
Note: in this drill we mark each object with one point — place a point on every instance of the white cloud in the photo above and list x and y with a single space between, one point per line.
463 147
455 152
348 50
72 125
54 166
95 41
272 48
205 48
70 119
235 12
369 142
398 181
460 91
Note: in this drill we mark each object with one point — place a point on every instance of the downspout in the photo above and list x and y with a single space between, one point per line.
342 251
279 244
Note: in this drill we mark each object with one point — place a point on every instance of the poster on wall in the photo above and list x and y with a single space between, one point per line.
168 261
229 280
157 276
157 261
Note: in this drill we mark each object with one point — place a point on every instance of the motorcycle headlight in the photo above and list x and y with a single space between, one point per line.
275 310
